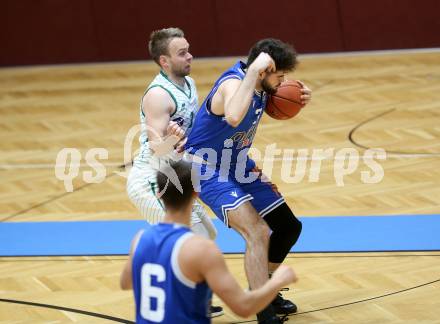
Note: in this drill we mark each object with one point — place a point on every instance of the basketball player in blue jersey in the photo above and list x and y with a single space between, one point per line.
172 271
235 189
166 111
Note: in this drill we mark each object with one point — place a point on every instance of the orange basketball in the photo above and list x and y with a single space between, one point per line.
286 102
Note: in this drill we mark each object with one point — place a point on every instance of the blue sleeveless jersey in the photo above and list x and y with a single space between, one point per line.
212 132
162 292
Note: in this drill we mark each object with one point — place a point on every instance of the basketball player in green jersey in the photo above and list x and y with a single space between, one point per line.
167 111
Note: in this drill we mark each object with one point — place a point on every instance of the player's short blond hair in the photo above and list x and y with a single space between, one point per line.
160 39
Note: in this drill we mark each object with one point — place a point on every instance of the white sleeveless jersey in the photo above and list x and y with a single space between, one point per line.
186 102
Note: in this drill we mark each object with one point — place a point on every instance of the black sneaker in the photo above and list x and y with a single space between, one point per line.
283 306
268 316
215 311
274 320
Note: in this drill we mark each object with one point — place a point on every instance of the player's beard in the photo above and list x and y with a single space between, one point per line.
267 87
181 72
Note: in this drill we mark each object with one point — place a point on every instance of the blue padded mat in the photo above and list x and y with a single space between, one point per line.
320 234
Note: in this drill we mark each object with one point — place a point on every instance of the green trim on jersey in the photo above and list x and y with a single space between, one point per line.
177 86
169 92
153 189
192 117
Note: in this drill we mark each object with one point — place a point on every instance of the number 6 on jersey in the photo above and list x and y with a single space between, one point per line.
149 292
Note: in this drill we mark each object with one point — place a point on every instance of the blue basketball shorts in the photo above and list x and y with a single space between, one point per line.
223 193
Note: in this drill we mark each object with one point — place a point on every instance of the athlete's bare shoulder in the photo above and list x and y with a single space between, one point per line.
225 91
194 254
157 99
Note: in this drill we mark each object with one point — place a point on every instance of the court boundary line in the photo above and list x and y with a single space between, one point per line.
66 309
392 153
227 256
120 320
355 302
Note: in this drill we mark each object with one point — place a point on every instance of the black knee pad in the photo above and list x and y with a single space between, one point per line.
286 229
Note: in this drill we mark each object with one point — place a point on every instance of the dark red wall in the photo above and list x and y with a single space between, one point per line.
312 26
388 24
46 31
60 31
123 26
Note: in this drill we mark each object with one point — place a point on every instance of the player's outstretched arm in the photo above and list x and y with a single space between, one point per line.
212 268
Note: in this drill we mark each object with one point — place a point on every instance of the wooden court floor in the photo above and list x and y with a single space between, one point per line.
386 100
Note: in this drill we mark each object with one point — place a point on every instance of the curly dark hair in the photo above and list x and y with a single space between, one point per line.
283 54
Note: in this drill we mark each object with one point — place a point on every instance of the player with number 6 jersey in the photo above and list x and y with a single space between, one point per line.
172 271
159 284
